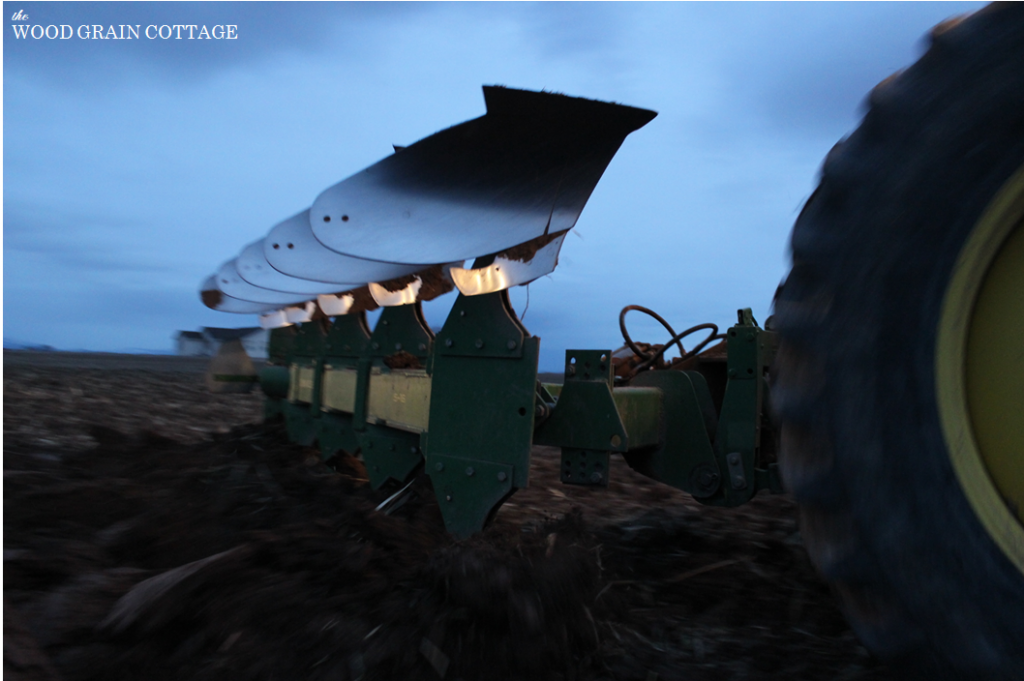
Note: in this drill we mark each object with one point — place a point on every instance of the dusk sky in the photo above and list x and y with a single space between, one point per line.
133 168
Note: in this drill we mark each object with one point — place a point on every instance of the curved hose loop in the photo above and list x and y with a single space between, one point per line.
652 357
711 337
686 355
633 346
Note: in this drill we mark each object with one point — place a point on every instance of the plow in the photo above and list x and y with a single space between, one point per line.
884 393
465 404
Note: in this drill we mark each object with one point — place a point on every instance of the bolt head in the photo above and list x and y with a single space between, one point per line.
470 471
511 345
448 342
438 467
448 497
479 343
596 477
502 477
398 346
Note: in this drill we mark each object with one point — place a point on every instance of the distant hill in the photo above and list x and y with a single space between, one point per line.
14 344
11 344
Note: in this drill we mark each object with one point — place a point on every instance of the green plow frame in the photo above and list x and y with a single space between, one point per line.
467 407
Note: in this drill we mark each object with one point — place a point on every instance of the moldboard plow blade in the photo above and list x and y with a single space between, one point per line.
215 299
522 171
254 268
503 189
292 249
231 283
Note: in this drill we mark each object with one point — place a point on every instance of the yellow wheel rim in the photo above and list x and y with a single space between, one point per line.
980 369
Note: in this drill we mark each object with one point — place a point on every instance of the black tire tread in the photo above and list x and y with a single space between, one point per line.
921 583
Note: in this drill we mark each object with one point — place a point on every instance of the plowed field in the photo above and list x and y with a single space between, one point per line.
153 530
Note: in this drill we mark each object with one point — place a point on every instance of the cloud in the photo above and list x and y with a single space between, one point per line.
572 30
815 64
73 242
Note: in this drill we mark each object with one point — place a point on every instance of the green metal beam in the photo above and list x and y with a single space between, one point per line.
484 379
744 408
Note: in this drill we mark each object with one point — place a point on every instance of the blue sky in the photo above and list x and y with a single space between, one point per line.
133 168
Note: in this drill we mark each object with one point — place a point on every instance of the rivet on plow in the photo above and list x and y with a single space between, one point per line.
469 471
438 467
501 476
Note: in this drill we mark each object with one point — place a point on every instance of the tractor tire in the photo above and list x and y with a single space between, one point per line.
887 415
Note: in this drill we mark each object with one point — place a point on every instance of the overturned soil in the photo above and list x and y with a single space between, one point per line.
153 530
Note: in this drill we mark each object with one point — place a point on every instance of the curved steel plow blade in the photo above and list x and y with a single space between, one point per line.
292 249
523 170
